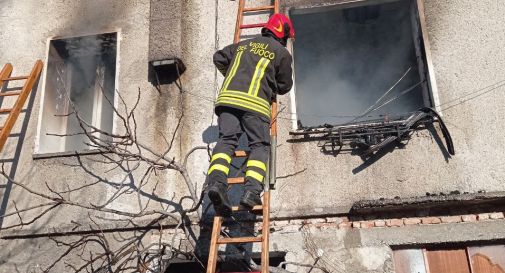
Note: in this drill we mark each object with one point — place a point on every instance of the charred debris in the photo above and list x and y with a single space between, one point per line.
368 138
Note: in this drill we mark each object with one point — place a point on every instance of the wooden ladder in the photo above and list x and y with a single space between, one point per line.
216 238
240 17
13 113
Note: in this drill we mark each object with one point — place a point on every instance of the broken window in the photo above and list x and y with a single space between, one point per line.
80 76
357 62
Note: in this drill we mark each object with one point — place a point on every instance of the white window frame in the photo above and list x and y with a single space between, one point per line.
39 155
431 80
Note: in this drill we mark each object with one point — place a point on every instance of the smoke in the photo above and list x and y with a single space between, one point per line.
346 59
81 69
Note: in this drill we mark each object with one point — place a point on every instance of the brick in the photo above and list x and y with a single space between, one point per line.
316 220
450 219
296 222
290 229
345 225
281 223
337 220
482 216
356 224
367 224
411 221
325 226
380 223
496 215
394 222
469 218
430 220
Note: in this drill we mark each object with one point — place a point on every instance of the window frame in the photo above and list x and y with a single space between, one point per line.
37 154
433 93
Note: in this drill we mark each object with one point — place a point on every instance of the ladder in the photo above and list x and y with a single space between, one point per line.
13 113
216 238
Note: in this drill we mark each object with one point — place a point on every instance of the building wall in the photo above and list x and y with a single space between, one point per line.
466 38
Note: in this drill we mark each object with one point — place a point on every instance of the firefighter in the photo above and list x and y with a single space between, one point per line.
255 71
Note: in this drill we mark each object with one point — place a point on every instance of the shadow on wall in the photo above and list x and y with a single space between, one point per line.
211 134
6 189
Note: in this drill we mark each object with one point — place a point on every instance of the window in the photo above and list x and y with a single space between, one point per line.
474 259
80 70
360 62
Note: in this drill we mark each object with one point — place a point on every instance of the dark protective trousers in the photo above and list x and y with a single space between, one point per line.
232 124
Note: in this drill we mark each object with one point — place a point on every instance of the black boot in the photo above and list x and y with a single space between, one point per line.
219 197
250 199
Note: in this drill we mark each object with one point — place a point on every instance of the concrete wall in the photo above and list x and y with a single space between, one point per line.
466 39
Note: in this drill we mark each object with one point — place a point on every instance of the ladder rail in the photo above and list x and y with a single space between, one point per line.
270 180
5 73
18 105
216 231
265 244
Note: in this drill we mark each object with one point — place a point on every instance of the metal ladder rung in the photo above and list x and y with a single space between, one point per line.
262 8
240 240
11 93
16 78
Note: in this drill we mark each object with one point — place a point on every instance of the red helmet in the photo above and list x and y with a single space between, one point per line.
280 26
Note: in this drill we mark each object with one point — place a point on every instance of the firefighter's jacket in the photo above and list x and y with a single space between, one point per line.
255 70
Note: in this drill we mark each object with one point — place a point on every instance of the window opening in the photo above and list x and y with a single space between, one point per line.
362 77
81 70
358 63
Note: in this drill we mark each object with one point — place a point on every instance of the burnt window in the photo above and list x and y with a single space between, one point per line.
360 62
81 75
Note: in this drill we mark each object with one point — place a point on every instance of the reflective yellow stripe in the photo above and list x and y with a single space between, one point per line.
257 164
256 75
219 167
248 97
245 100
260 77
233 70
221 155
255 175
244 104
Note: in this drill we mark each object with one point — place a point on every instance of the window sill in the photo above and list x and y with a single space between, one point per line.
67 154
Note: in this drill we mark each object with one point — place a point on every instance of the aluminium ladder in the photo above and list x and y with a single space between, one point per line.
216 238
13 113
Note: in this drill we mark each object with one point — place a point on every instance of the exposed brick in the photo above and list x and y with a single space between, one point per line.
430 220
469 218
316 220
290 228
496 215
482 216
337 220
380 223
356 224
411 221
367 224
394 222
345 225
296 222
325 226
450 219
281 223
